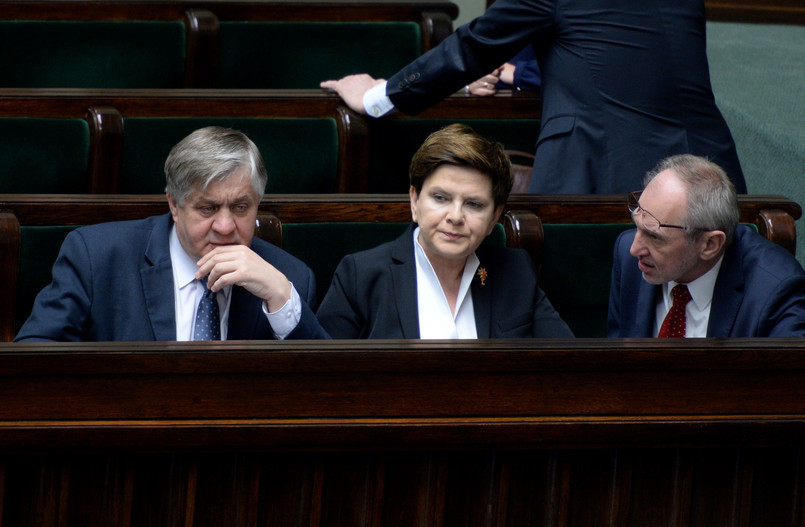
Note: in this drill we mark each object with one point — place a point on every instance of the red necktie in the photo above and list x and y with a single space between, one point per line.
674 324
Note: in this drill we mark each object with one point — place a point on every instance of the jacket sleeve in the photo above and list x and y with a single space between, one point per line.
61 310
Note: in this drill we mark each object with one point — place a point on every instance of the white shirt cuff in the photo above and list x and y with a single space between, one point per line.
286 318
375 101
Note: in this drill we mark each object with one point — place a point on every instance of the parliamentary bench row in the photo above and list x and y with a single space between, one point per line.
570 238
403 433
116 141
205 44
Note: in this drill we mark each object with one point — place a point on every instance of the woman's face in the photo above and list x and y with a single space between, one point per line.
455 211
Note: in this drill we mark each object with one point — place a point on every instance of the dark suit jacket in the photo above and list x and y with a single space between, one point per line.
624 84
114 281
759 292
373 295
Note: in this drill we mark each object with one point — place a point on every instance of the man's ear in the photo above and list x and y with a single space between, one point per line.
712 245
174 207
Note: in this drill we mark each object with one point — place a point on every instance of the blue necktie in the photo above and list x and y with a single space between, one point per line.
208 322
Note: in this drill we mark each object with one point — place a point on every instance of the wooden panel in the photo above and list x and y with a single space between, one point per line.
113 434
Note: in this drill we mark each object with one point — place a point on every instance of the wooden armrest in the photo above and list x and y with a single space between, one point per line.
269 228
778 226
524 231
9 268
106 147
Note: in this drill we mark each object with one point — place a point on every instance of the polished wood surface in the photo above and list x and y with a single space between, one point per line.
82 209
411 433
756 11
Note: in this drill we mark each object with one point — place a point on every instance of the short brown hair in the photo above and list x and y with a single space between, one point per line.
460 145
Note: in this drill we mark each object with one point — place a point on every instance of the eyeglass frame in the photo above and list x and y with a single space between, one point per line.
633 206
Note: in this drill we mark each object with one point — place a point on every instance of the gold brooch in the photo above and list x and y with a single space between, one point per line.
482 275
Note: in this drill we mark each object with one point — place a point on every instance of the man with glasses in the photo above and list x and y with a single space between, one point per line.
689 269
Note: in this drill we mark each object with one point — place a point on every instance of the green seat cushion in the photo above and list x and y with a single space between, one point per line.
301 155
50 54
394 142
44 155
293 55
576 272
39 247
322 245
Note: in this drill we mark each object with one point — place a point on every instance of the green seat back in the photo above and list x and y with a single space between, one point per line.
39 247
44 155
576 272
293 55
301 155
322 245
394 142
50 54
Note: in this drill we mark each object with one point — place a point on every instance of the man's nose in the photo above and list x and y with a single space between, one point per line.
224 222
638 247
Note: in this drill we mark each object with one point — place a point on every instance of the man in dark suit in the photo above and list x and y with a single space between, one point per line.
624 83
690 270
145 279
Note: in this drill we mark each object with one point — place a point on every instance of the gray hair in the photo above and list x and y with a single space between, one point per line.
712 201
210 154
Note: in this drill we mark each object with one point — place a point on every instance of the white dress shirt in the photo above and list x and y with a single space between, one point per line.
375 101
697 312
436 321
187 292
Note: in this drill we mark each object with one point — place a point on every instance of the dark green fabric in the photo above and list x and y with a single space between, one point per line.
576 273
301 155
48 54
38 251
302 54
394 142
322 245
44 155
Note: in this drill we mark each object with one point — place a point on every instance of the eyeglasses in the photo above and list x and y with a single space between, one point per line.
648 220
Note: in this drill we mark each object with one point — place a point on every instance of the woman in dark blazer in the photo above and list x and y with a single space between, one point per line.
435 281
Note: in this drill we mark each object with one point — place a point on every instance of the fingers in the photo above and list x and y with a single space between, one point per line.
239 265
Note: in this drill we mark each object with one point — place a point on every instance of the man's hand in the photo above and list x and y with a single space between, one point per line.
351 89
239 265
485 86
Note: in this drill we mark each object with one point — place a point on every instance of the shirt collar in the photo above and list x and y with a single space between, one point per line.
701 289
184 267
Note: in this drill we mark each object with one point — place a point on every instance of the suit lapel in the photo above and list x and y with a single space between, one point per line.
646 308
727 294
482 304
156 275
243 315
403 277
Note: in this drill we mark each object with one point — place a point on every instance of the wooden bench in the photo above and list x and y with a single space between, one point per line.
756 11
119 139
203 44
570 238
552 432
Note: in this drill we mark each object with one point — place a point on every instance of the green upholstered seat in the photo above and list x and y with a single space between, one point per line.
302 54
44 155
322 245
84 54
394 142
576 271
301 155
39 247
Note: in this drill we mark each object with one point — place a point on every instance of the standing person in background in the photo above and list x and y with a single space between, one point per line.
623 84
